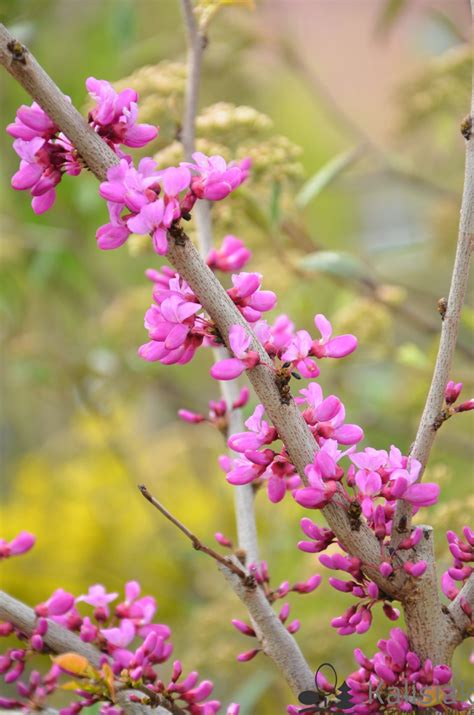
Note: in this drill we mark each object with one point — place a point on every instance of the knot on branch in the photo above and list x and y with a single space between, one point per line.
442 307
18 51
466 127
178 235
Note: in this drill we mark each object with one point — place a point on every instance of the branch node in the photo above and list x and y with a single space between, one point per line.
282 381
178 235
466 127
442 307
18 51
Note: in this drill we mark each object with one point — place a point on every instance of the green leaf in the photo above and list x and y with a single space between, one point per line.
325 176
340 264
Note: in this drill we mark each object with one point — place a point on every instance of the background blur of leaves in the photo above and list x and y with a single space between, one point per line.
349 212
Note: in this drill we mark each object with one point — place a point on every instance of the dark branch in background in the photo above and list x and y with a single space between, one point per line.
197 543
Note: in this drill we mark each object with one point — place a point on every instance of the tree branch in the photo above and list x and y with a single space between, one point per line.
244 496
275 640
196 44
196 542
449 332
60 640
426 623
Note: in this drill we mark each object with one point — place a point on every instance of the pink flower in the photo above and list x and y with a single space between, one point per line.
31 122
57 605
325 417
260 433
245 359
297 353
39 171
22 543
115 233
98 597
415 569
452 392
247 296
331 347
231 256
130 187
122 636
321 537
115 115
369 484
153 219
214 179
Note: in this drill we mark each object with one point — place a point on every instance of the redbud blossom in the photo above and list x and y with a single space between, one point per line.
232 255
452 392
22 543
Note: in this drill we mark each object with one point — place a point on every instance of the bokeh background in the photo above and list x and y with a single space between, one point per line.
352 121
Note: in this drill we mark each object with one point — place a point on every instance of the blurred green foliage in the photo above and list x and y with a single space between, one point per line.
369 242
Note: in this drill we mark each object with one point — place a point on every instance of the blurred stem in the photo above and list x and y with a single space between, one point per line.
244 496
196 43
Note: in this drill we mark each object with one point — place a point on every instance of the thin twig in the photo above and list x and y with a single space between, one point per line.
244 495
196 43
196 542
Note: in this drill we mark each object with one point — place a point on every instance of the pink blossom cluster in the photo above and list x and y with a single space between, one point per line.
294 350
46 154
177 327
262 577
396 676
358 618
394 680
298 348
147 200
190 694
132 644
33 692
374 475
259 463
462 551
